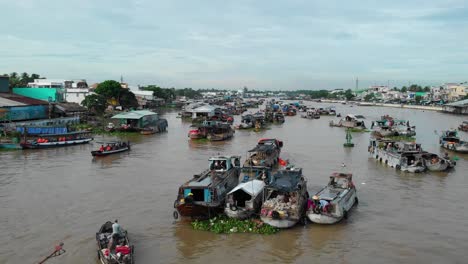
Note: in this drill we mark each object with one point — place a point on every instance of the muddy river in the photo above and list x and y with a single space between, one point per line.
63 194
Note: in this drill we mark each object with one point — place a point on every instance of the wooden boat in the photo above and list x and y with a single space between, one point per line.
204 195
333 202
350 121
116 147
435 163
245 199
266 153
114 256
311 114
285 199
57 140
451 141
388 126
9 145
463 126
220 132
404 156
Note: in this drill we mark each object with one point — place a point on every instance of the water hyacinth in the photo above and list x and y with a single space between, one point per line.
224 225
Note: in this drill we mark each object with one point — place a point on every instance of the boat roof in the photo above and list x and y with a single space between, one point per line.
264 145
134 114
65 134
252 187
287 179
222 157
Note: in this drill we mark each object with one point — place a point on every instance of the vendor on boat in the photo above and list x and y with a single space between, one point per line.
189 198
101 149
116 229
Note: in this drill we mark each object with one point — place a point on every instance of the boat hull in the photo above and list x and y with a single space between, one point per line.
198 211
453 147
323 219
55 144
279 223
10 146
240 213
97 153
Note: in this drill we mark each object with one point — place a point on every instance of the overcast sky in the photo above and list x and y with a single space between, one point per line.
230 44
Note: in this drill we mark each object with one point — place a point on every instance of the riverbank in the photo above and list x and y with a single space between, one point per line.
417 107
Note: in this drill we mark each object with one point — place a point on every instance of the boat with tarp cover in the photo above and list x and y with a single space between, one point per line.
333 202
245 200
285 199
266 153
204 195
57 140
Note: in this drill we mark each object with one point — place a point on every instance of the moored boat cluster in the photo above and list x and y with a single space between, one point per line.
265 187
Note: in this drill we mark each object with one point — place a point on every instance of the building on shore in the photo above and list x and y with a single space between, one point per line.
57 90
459 107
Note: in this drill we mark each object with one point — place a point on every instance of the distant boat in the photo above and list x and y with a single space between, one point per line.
57 140
116 147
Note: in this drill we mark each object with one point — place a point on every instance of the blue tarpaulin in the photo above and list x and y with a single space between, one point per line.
43 130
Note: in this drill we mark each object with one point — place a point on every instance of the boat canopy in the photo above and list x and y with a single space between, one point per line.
66 134
286 180
342 175
252 188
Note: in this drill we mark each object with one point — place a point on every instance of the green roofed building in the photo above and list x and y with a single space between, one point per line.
140 119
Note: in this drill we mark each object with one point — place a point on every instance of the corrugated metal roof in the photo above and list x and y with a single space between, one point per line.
459 103
9 99
6 102
134 114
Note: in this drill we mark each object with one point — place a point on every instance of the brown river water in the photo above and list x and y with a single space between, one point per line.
53 195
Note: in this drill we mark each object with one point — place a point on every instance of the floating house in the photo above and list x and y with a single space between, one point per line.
138 119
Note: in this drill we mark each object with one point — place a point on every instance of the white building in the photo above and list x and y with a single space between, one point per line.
75 90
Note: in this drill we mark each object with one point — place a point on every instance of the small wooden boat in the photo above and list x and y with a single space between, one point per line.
350 121
121 253
285 199
333 202
57 140
115 147
311 114
435 163
245 199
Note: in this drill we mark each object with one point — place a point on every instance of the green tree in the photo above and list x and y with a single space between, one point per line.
418 99
404 89
109 89
128 99
369 97
427 89
95 103
349 94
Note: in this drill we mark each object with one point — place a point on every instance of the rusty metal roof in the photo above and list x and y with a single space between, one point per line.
10 99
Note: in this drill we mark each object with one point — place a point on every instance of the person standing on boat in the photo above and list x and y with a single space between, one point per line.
116 229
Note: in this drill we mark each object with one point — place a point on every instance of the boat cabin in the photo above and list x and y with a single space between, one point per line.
213 184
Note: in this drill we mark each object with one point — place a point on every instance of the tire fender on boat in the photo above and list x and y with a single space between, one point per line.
175 214
356 200
398 167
